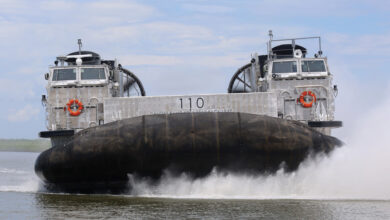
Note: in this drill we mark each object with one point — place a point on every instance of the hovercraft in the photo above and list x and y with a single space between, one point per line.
279 109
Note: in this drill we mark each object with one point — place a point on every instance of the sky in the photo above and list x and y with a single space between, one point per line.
188 47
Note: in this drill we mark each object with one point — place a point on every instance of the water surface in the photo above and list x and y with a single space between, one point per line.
21 197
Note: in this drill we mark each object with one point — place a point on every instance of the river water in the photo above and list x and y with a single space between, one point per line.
218 196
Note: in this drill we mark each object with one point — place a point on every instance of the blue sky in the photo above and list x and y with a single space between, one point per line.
187 47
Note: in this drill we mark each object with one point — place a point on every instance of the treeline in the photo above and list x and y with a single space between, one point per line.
24 145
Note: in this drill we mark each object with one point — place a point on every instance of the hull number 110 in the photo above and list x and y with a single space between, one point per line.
191 103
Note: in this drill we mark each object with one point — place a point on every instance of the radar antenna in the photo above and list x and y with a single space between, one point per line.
80 45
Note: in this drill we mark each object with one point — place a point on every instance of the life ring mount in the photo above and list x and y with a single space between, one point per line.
302 99
79 108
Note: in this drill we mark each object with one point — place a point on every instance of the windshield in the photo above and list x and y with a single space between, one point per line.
284 67
313 66
92 73
64 74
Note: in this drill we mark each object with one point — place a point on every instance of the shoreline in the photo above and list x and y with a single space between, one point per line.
24 145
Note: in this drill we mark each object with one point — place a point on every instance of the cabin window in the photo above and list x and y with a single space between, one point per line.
64 74
284 67
313 66
92 73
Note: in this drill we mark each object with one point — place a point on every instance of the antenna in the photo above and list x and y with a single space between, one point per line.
269 45
80 45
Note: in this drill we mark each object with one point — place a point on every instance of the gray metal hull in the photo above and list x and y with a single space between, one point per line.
100 158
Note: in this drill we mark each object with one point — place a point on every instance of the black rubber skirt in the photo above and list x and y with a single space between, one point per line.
102 157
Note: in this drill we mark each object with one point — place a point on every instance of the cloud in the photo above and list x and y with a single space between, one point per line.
312 9
372 44
87 13
121 5
157 32
369 49
227 60
15 91
135 60
23 114
207 8
12 6
58 5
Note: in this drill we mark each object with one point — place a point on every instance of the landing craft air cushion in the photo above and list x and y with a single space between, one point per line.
279 108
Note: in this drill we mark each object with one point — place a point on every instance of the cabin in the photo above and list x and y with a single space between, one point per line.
303 85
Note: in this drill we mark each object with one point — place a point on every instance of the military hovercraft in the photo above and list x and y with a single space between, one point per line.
279 109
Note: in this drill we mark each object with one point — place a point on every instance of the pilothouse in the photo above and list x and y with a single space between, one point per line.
303 84
77 85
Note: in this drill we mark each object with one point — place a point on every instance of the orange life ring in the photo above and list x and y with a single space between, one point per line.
302 99
78 111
